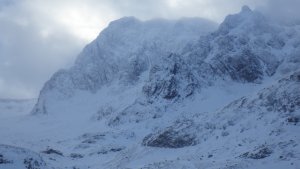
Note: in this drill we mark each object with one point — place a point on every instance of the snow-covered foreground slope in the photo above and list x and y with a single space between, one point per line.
169 95
15 157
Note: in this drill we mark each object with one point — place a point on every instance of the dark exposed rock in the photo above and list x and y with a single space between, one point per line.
168 139
116 149
103 112
283 96
171 79
295 77
3 160
244 67
91 138
52 151
225 133
177 136
76 155
89 141
109 150
31 163
259 153
171 92
293 120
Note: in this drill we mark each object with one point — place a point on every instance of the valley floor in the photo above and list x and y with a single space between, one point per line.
225 134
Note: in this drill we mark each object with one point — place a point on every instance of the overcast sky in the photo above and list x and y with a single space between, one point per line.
38 37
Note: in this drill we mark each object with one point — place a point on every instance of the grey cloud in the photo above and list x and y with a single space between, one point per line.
284 11
211 9
4 3
27 56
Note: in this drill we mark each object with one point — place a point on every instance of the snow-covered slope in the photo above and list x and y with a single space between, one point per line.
15 157
171 95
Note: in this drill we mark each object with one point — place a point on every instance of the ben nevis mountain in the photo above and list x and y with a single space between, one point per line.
168 94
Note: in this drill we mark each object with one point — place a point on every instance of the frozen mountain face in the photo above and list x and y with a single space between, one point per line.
246 48
125 51
171 95
172 60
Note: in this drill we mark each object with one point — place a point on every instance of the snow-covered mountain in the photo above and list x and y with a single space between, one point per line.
165 94
123 54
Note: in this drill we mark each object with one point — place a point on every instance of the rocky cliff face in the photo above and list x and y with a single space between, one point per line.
123 52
